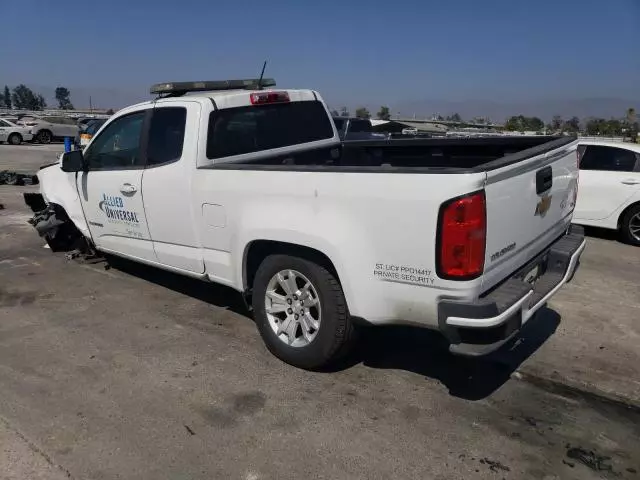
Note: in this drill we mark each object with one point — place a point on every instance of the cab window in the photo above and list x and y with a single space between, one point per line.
118 145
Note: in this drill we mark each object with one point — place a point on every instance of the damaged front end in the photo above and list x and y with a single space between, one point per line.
58 216
53 224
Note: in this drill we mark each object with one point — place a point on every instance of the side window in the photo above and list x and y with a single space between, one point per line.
3 123
118 146
610 159
166 135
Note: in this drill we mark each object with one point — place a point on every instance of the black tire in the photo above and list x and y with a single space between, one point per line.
631 218
44 136
15 139
336 332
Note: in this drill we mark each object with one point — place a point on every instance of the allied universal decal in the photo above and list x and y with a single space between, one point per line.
114 209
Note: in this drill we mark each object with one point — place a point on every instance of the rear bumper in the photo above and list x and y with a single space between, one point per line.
480 327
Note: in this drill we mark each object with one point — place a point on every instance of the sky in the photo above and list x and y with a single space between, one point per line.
350 50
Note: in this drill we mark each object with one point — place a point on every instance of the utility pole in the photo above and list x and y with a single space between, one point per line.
90 105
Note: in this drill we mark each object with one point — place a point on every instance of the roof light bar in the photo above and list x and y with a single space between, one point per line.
184 87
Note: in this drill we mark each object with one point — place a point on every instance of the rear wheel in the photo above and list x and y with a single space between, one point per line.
15 139
44 136
301 312
630 226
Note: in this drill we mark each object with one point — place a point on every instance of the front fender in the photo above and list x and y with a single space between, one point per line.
59 187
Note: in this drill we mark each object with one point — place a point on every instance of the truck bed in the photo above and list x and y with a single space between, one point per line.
431 155
468 154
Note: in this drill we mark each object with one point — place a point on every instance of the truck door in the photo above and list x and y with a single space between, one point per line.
166 184
111 190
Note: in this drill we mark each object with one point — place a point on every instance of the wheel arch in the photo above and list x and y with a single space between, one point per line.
625 211
257 250
15 134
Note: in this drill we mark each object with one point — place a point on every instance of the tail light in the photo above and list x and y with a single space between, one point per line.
462 237
263 98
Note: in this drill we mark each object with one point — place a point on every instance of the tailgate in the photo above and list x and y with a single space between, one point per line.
530 202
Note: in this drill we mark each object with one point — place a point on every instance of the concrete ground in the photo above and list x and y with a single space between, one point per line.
28 158
131 372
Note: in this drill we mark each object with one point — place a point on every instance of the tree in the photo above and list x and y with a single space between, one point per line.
514 124
334 113
24 98
7 97
556 123
344 112
534 123
383 113
362 112
62 96
632 126
111 112
40 104
455 118
572 125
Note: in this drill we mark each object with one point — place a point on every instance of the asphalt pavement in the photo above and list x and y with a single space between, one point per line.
28 157
114 370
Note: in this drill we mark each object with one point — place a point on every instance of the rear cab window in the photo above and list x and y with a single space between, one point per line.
358 126
243 130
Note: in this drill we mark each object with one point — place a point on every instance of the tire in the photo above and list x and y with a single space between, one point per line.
630 226
44 136
15 139
335 333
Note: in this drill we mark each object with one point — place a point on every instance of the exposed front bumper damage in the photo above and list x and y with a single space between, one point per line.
481 327
52 223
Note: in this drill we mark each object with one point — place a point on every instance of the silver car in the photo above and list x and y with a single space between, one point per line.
47 129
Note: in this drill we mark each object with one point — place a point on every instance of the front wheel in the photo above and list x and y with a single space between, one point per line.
301 312
15 139
630 226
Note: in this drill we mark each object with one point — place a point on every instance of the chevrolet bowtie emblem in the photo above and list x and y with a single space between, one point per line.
543 205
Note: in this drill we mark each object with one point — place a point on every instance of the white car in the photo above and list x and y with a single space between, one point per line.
14 134
47 129
609 187
251 188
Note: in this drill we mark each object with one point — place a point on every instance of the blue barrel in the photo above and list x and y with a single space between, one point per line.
67 144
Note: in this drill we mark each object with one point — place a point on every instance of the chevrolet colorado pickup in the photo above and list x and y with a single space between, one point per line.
247 186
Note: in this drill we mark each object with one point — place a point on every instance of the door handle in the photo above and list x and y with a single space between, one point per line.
127 188
630 181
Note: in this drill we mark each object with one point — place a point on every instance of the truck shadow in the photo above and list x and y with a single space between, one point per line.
211 293
416 350
426 353
602 233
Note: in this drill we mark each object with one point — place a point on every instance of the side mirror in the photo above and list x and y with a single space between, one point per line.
73 161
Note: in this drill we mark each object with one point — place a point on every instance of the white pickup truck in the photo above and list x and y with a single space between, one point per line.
249 187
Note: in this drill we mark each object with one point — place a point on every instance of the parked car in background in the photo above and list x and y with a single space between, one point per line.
13 133
355 129
47 129
86 132
609 187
